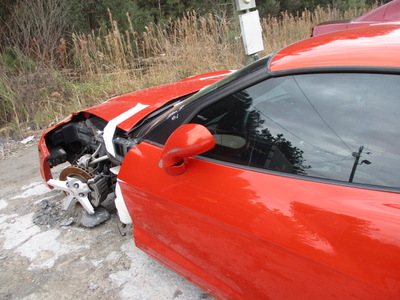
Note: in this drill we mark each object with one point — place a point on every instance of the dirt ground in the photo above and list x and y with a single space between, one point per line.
47 254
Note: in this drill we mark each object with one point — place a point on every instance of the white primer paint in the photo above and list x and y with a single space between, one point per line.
109 130
123 213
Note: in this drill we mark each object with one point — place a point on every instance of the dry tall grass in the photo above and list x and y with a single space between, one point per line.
115 63
191 45
288 28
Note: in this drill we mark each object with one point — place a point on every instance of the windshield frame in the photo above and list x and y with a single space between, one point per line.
248 75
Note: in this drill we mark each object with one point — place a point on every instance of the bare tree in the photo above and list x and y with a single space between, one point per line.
36 27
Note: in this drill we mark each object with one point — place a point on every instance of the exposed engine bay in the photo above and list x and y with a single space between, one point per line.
90 146
90 177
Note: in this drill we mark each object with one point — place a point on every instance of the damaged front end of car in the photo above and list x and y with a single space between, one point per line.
90 174
93 143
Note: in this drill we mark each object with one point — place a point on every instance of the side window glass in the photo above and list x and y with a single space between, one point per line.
333 126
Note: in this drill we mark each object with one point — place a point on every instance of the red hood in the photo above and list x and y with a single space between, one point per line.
152 98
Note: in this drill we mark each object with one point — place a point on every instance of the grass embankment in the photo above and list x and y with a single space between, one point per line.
94 67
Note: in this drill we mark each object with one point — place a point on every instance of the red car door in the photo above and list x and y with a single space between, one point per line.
245 234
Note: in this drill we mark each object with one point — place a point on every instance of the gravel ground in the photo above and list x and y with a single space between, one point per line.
46 253
12 148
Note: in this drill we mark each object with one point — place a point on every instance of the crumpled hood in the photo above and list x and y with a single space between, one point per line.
151 99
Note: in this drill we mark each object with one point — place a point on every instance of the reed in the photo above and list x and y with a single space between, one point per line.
286 29
191 44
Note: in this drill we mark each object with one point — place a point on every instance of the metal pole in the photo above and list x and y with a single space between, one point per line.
357 155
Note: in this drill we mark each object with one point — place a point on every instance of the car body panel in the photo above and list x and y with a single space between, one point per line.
355 47
332 26
386 13
152 98
239 230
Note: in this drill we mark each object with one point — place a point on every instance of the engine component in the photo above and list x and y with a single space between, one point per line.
99 190
57 156
78 172
84 160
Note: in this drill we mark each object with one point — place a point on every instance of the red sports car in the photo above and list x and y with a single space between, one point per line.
389 12
277 181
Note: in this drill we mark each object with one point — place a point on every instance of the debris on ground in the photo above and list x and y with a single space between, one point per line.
27 140
100 216
48 213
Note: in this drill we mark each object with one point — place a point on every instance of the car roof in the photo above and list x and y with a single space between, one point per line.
373 45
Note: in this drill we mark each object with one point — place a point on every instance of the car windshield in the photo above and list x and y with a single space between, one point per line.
204 92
